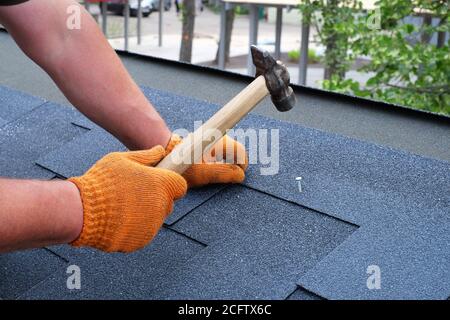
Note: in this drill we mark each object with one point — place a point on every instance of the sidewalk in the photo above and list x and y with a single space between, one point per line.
207 28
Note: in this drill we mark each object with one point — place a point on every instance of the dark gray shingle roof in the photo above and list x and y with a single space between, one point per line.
361 204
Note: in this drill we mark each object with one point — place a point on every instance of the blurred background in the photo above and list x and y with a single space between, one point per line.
391 50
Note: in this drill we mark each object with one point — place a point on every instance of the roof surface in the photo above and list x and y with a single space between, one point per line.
382 124
364 200
362 204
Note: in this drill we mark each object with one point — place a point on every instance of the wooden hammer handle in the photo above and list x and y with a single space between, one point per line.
191 149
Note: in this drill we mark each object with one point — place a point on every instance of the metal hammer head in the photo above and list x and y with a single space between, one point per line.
277 79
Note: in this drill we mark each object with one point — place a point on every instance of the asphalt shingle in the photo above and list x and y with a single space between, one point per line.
259 265
302 294
77 156
139 275
15 104
179 112
389 193
347 177
413 261
21 270
246 210
193 199
258 246
24 140
375 187
263 242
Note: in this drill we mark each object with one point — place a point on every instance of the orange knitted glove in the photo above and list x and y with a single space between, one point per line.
213 171
125 202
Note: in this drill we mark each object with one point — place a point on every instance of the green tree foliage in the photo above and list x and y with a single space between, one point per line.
335 23
405 66
294 56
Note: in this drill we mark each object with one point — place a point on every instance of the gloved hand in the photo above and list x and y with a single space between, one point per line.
210 170
125 201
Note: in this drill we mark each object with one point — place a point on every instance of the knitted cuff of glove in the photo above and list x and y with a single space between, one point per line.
101 222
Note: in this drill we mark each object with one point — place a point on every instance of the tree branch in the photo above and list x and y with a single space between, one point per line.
435 89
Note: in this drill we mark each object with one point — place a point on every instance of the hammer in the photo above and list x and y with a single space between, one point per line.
272 78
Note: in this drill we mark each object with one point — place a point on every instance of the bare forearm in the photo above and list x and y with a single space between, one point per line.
86 69
38 213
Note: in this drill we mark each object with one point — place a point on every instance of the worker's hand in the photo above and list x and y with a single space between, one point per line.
226 162
125 201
